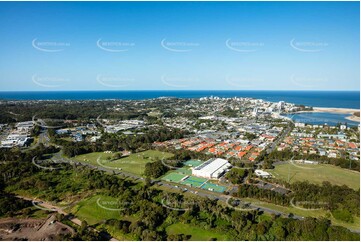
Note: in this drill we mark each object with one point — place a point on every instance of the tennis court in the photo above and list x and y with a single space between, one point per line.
194 181
213 187
173 177
193 163
184 171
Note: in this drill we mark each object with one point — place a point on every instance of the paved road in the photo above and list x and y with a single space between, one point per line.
43 138
279 139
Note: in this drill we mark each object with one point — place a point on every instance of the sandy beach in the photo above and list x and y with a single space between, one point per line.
353 118
336 110
350 111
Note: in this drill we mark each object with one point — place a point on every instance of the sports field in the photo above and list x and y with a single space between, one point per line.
184 171
194 181
317 174
193 163
173 177
213 187
134 163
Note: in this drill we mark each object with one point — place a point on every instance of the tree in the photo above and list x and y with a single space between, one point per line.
83 226
155 169
236 175
148 182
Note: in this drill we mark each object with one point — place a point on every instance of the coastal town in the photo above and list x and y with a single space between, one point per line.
209 147
240 130
180 121
214 130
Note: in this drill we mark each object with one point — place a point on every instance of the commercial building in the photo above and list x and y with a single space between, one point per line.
302 125
212 168
262 173
340 136
13 140
25 127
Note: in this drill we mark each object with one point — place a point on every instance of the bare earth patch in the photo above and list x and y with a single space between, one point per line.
33 229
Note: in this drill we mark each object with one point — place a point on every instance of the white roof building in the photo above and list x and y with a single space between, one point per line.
25 126
212 168
300 125
14 140
262 173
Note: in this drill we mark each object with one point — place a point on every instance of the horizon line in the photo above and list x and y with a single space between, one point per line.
134 90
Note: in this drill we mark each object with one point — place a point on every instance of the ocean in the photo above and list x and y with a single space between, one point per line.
336 99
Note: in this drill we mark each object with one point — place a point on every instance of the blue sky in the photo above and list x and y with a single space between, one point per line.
179 46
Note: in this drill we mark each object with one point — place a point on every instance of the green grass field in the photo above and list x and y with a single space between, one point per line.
68 139
90 210
193 163
173 177
198 234
117 233
134 163
184 171
317 174
98 208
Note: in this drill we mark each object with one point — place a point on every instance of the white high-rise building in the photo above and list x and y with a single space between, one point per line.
280 105
255 112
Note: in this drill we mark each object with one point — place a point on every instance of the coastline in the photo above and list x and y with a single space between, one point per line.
336 110
353 118
349 111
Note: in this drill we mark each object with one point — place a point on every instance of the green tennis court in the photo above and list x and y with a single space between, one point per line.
184 171
213 187
193 163
194 181
173 177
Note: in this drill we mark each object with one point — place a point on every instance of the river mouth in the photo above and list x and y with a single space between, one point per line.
321 118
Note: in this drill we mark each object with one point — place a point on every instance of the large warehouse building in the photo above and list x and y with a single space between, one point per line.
212 168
